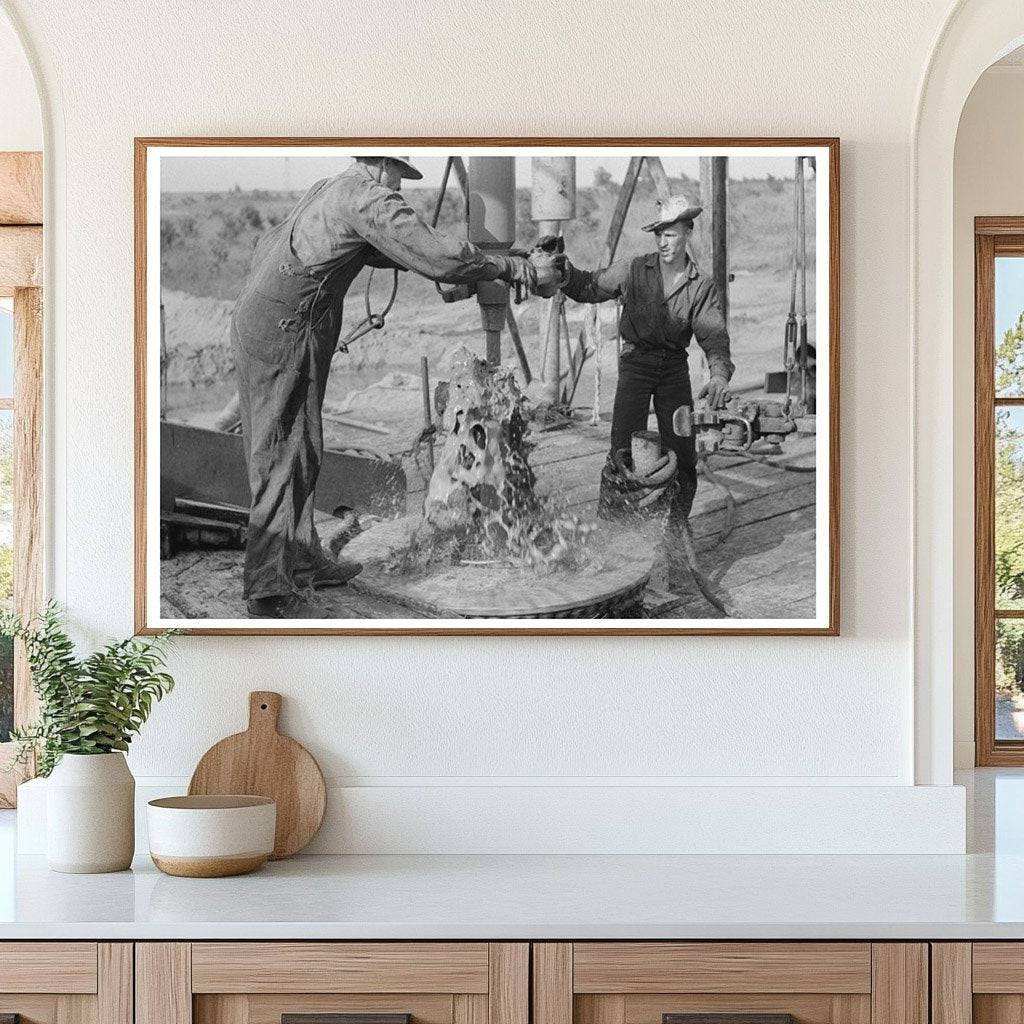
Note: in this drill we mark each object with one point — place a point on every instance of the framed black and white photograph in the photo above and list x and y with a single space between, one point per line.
533 386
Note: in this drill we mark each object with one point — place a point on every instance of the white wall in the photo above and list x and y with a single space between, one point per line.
444 713
988 181
21 124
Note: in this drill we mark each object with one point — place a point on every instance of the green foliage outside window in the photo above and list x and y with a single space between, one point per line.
1009 510
1010 361
1010 472
1009 657
6 574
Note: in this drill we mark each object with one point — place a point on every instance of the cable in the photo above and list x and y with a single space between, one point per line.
764 460
698 577
372 321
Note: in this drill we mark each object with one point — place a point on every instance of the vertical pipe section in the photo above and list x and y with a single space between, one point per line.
719 228
703 223
492 226
803 353
551 375
427 418
552 202
492 336
492 202
163 364
553 189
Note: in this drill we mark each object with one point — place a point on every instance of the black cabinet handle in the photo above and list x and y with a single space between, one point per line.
728 1018
337 1018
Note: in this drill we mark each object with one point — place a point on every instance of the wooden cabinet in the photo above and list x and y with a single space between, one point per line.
494 983
259 982
980 982
815 982
66 982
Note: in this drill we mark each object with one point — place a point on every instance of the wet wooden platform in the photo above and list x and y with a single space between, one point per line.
766 566
764 569
609 580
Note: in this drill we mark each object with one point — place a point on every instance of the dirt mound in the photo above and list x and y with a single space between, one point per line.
197 339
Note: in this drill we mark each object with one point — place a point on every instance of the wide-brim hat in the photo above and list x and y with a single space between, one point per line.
672 210
408 171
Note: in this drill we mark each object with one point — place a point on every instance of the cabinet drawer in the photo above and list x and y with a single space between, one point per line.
635 967
66 982
48 967
749 982
340 967
259 982
998 967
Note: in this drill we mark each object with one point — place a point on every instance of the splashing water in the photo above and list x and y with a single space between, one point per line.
481 506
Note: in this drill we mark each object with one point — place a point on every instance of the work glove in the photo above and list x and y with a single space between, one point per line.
548 272
520 273
552 266
715 391
540 271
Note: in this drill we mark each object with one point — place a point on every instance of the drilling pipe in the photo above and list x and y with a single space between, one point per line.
553 201
492 227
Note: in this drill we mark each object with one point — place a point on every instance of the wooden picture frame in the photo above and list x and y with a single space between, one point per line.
825 621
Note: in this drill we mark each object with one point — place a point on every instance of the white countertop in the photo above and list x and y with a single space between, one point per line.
532 897
978 896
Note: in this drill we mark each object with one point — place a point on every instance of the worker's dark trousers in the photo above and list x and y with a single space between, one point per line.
664 376
282 377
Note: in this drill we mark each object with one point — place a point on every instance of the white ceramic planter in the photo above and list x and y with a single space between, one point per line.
90 814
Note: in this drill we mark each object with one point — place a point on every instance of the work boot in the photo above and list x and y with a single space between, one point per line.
329 572
284 606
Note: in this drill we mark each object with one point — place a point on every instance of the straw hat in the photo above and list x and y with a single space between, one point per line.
673 209
408 171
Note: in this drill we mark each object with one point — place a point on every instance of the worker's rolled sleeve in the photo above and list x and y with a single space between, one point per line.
710 330
597 285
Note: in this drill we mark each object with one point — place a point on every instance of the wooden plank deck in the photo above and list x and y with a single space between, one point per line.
764 569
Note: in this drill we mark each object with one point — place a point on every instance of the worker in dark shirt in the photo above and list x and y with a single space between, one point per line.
666 301
284 331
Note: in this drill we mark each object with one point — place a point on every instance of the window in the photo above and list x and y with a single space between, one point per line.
999 490
21 376
6 510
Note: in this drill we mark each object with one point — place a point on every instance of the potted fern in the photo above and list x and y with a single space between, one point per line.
89 710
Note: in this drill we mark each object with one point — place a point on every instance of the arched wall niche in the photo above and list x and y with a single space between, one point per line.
975 34
986 182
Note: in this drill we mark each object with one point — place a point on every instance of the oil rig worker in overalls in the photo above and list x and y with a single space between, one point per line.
666 301
284 331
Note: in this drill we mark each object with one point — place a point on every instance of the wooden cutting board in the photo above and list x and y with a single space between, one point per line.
262 762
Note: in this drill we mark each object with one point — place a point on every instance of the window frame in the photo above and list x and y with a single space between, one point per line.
993 237
21 262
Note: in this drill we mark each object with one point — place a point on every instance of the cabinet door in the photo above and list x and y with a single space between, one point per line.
66 982
748 982
302 982
980 982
